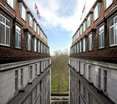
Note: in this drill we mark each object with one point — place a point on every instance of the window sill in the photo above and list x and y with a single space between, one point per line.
4 45
112 45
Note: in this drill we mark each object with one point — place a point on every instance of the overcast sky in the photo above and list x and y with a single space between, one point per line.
60 19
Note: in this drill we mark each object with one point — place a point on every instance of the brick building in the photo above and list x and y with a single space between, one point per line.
93 58
24 56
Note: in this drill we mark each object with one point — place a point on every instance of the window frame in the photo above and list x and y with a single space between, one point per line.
22 11
35 44
90 41
114 25
11 4
5 31
19 36
29 41
96 11
107 4
84 44
101 34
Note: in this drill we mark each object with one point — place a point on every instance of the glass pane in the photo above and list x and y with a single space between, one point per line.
111 34
23 13
7 22
2 19
2 34
18 37
115 33
11 2
108 3
8 36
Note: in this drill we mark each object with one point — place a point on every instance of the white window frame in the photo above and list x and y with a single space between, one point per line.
114 27
35 26
108 3
35 44
29 42
90 42
101 36
96 11
80 46
18 31
84 45
11 3
89 21
5 26
39 46
30 20
22 11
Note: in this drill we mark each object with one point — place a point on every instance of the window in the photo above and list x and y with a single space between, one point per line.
96 11
113 32
108 3
38 30
80 46
90 41
84 45
38 46
89 20
18 37
4 31
41 47
35 26
30 20
16 80
29 41
21 80
35 44
101 37
81 30
11 3
84 26
22 11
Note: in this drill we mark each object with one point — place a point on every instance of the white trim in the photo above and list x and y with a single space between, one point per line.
5 26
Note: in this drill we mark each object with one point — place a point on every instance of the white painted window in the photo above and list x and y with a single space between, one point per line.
11 3
84 26
96 11
108 3
35 44
90 41
81 30
80 46
35 26
101 37
84 45
38 46
17 37
30 21
4 31
113 32
89 20
22 11
29 41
